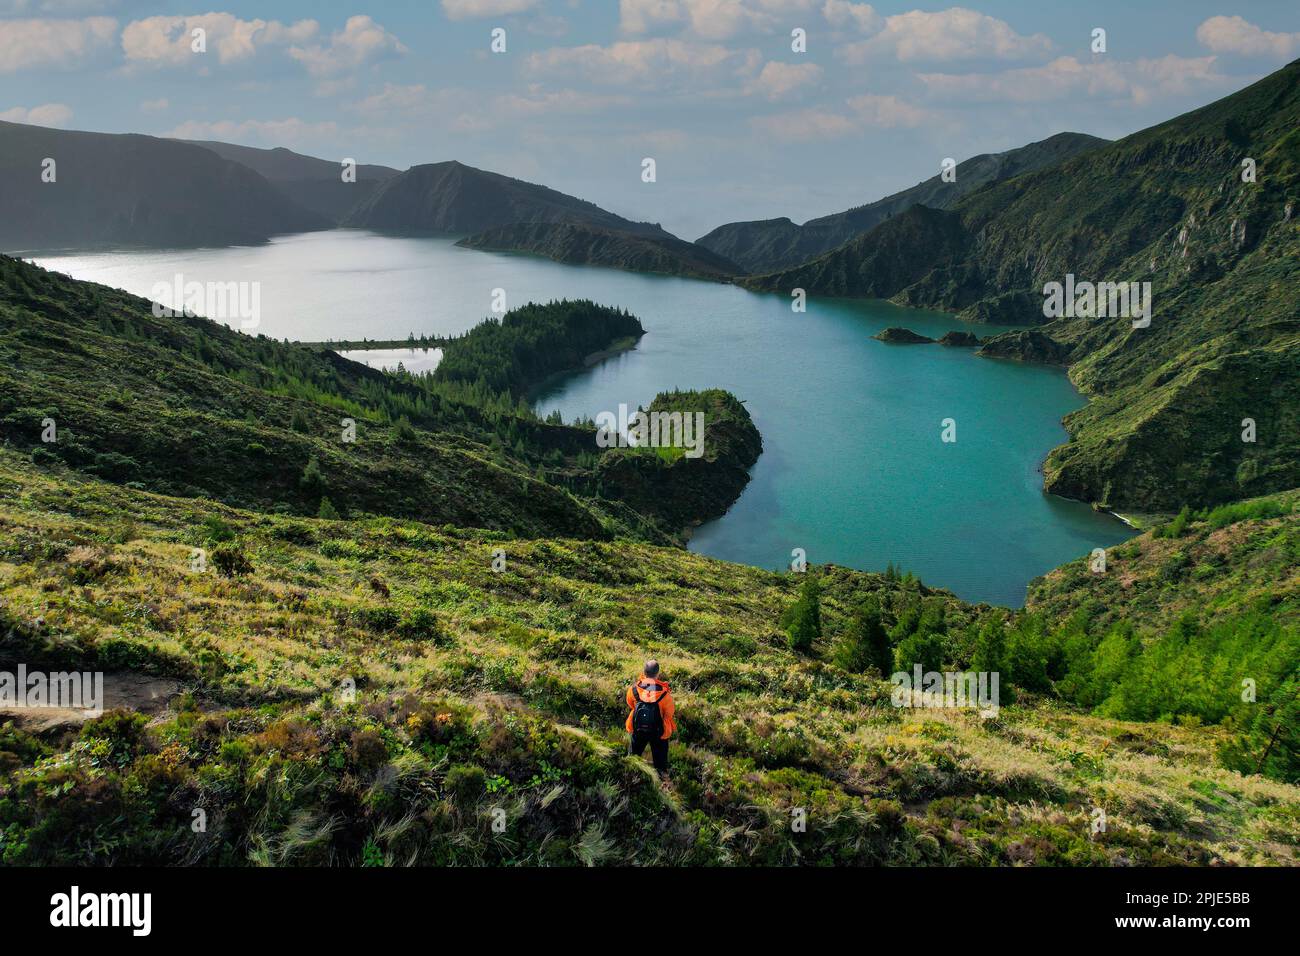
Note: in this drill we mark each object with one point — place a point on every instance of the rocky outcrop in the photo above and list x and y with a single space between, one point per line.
902 336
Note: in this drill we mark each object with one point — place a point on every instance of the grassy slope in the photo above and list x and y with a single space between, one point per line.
1211 570
520 674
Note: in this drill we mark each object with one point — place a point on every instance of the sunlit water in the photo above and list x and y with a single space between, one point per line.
853 471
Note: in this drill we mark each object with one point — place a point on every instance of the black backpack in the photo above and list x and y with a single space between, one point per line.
646 718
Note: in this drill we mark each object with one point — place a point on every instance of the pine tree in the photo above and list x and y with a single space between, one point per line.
803 619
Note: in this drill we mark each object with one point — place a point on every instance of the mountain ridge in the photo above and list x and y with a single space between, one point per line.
770 245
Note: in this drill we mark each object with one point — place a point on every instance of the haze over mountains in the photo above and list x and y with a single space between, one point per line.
315 184
768 245
109 189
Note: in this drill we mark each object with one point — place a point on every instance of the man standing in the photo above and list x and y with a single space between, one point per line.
650 717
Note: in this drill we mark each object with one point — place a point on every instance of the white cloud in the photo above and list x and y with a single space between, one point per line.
395 98
944 36
859 16
1235 35
361 41
887 111
270 132
647 62
864 112
1140 81
25 44
49 114
155 106
167 41
538 102
58 8
638 16
779 80
711 19
474 9
804 125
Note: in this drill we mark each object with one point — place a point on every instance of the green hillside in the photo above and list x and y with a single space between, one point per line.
484 695
1167 206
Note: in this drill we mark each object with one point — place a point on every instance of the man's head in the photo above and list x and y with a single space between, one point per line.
652 668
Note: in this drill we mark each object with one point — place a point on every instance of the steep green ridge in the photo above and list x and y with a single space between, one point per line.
451 197
133 190
188 406
313 183
773 244
1166 206
373 692
582 244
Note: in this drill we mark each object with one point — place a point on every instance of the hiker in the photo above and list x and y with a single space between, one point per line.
650 717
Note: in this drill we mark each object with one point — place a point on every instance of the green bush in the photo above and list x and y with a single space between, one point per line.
230 560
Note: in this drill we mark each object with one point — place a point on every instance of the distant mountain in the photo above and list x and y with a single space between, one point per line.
451 197
769 245
315 184
591 245
1200 406
124 190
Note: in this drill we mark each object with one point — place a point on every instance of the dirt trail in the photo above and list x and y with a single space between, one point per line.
124 690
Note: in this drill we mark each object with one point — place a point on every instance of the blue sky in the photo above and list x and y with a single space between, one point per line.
740 125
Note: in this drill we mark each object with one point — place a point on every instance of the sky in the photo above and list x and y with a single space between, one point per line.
741 125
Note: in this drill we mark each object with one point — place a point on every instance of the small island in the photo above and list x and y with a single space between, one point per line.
903 336
961 339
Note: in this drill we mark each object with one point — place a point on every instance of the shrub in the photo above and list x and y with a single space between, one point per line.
230 560
312 481
661 623
327 511
465 783
367 751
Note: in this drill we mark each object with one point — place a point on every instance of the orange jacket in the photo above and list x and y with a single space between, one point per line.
650 689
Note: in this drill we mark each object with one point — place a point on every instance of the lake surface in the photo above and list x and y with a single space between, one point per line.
853 471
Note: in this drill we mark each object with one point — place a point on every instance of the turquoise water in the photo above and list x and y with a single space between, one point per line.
854 470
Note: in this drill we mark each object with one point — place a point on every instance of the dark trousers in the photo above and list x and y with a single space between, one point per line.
658 749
